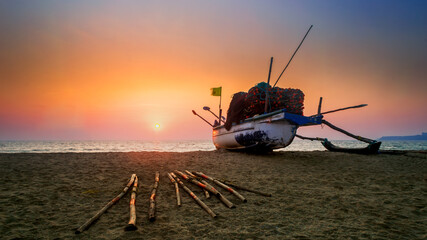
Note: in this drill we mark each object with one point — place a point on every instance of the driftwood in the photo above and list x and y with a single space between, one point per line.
87 224
194 176
238 195
245 189
152 209
195 182
178 197
132 215
198 201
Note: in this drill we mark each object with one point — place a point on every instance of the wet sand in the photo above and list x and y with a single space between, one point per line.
315 195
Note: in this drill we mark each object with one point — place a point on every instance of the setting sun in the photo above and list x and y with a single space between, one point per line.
157 126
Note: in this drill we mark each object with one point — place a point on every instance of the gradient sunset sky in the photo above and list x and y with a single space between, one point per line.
98 70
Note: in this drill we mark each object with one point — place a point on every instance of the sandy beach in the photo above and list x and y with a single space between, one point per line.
315 195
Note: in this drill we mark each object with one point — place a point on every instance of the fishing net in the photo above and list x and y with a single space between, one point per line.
254 102
235 112
279 98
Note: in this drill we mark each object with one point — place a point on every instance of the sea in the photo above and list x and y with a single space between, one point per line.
178 146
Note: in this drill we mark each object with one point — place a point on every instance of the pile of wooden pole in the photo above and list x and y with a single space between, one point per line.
200 180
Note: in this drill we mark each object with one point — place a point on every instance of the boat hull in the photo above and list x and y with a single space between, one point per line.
266 133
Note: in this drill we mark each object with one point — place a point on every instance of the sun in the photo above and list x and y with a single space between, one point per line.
157 126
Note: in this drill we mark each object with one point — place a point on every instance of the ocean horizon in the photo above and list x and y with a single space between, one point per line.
89 146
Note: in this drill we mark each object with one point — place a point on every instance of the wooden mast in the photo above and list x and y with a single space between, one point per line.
293 55
268 84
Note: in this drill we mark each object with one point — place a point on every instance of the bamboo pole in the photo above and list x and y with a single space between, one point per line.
178 197
341 109
238 195
221 197
194 176
319 108
132 213
195 182
152 209
87 224
266 90
293 56
309 138
245 189
198 201
194 112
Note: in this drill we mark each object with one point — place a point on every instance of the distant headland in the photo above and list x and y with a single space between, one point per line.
423 136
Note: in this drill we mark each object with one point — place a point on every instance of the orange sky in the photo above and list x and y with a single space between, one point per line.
104 70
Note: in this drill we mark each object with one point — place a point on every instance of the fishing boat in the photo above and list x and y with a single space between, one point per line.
268 129
263 132
274 130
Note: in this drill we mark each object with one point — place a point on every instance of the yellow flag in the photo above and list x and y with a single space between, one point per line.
216 91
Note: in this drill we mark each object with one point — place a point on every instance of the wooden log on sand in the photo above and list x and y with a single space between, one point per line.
198 201
152 209
195 182
132 209
178 197
238 195
87 224
194 176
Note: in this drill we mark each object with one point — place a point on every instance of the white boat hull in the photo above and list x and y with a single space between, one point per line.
270 132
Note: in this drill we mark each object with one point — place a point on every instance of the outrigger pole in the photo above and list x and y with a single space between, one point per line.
366 140
363 139
340 109
293 55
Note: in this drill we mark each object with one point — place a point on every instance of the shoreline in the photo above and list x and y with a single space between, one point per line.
315 194
183 146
